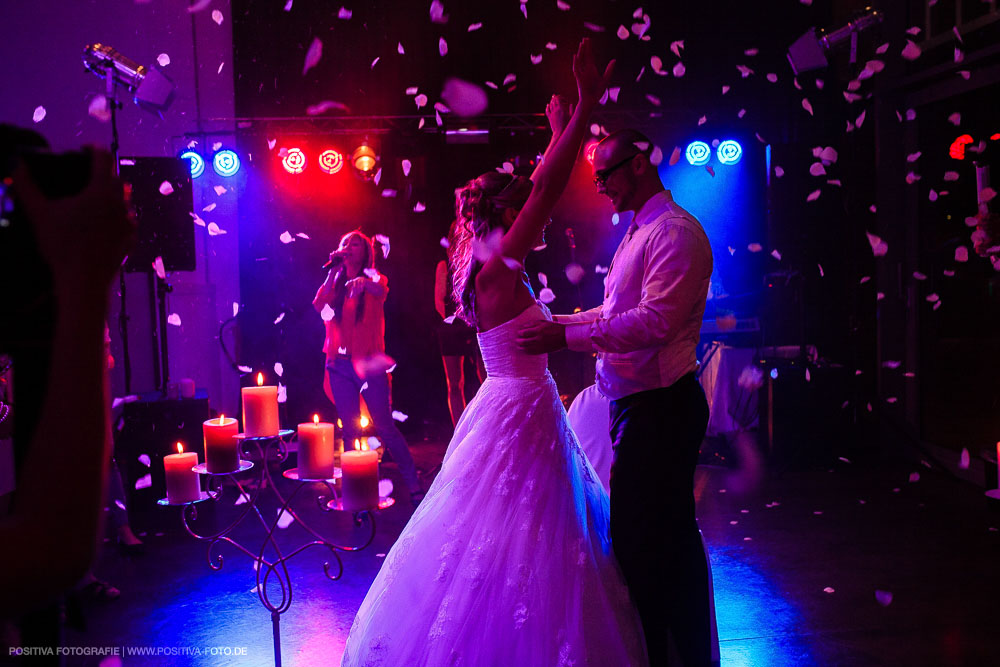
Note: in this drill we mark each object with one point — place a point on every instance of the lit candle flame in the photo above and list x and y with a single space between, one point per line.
315 419
357 444
222 419
364 421
260 379
180 447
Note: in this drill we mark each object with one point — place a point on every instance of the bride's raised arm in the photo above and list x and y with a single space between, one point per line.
551 177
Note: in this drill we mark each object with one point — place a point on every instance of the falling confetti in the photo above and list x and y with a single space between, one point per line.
814 195
313 55
464 98
961 254
399 416
879 247
144 482
279 369
100 109
829 589
574 273
755 247
279 318
286 238
884 598
285 519
679 70
546 295
442 47
911 51
963 459
174 319
166 188
39 114
345 14
807 106
158 268
327 313
217 16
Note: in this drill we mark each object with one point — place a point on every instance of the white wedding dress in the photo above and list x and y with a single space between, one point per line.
507 561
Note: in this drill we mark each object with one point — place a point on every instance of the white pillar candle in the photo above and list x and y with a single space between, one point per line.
222 451
183 483
316 453
360 479
260 409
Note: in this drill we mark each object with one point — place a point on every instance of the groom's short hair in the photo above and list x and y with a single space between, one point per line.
627 141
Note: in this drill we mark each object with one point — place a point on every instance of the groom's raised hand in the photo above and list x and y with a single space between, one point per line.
541 337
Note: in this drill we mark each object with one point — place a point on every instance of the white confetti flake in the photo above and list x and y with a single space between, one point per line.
327 313
744 71
288 5
702 120
144 482
442 47
914 477
679 70
324 106
220 190
278 368
286 238
829 589
919 276
236 308
817 169
174 319
345 14
814 195
807 105
546 295
313 55
39 115
879 247
100 109
574 273
601 269
773 78
884 598
911 51
244 369
399 416
563 6
725 89
860 120
535 59
912 177
776 255
961 254
656 156
399 48
215 230
166 188
932 298
656 63
437 12
963 459
279 318
217 16
163 59
779 171
821 274
464 98
419 207
755 247
622 32
282 393
303 235
158 268
378 175
285 519
543 279
374 62
913 157
420 100
474 27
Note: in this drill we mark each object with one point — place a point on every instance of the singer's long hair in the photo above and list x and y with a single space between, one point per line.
340 281
479 205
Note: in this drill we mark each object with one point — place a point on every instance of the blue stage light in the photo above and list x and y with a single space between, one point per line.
729 152
197 163
698 153
226 163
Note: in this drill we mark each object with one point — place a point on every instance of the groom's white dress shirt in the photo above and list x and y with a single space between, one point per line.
647 329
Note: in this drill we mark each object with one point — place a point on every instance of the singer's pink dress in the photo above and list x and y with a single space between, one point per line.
507 561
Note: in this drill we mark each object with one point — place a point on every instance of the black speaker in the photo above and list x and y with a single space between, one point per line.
151 427
166 228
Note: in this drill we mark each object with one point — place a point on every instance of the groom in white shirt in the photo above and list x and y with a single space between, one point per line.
645 334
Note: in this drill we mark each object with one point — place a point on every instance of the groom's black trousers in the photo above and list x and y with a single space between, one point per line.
656 436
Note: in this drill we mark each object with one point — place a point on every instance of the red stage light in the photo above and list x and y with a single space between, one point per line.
331 161
995 137
957 149
294 161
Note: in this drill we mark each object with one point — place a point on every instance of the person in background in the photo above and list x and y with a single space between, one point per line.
356 364
456 339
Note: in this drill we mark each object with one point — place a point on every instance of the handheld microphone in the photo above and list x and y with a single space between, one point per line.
336 261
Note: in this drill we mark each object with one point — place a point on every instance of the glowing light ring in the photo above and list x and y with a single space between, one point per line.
226 163
294 161
729 152
197 163
698 153
331 161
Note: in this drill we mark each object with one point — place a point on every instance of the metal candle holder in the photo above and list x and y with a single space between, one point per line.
273 448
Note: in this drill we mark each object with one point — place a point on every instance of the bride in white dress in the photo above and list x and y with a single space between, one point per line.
507 561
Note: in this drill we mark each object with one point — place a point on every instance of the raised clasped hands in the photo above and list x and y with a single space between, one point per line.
558 111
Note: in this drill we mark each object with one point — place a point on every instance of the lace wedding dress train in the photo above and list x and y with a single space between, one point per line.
507 561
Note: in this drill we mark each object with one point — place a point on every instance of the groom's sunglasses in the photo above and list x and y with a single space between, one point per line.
601 175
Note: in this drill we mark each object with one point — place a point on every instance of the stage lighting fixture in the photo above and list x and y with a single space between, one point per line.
197 163
729 152
226 163
151 88
809 51
698 153
363 158
294 161
331 161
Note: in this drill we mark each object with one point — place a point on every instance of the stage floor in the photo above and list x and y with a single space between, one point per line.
803 567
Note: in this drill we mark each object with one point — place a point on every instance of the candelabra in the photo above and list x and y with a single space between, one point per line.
272 450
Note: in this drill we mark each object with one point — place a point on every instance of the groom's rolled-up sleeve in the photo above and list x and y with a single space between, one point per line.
677 267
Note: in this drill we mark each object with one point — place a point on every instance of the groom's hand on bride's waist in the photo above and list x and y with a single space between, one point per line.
541 337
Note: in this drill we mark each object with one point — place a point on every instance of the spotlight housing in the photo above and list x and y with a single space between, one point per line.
197 163
226 163
698 153
331 161
729 152
363 159
294 161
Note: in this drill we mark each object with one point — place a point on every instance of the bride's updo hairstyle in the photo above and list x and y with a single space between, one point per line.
479 206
